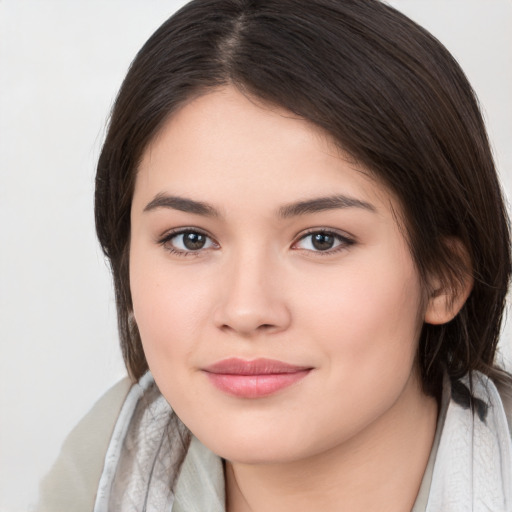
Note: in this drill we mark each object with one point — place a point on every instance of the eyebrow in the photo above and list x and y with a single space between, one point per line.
182 204
321 204
305 207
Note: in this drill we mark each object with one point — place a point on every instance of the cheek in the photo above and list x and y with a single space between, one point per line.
170 307
367 314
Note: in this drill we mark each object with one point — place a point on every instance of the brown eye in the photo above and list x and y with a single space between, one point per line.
187 242
322 241
194 241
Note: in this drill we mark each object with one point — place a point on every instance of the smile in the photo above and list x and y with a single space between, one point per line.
254 379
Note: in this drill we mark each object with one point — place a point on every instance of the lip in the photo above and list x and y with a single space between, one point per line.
254 379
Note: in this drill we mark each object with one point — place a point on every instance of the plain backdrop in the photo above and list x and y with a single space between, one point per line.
61 63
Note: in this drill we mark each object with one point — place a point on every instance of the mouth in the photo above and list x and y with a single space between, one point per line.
254 379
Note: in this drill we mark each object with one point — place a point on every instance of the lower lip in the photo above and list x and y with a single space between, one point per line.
255 386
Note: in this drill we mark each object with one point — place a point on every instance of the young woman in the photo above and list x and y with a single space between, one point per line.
311 255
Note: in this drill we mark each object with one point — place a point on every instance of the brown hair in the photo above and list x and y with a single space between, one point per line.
385 90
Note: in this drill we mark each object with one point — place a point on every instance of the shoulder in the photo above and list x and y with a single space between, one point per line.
73 479
505 392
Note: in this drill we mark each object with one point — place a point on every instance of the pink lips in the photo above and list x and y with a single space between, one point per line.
254 379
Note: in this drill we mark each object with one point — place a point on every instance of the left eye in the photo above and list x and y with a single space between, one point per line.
188 241
322 241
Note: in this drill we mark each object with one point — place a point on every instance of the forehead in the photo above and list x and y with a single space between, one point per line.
224 144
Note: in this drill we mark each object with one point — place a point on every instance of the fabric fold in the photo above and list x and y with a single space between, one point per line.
154 464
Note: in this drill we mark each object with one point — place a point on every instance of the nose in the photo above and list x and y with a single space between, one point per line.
252 298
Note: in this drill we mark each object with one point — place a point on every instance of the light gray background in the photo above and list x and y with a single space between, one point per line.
61 63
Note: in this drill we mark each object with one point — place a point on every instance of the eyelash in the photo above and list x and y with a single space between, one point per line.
164 242
344 241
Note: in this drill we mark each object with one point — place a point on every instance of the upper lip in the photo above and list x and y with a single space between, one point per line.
236 366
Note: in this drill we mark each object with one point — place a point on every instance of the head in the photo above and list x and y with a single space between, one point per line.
387 95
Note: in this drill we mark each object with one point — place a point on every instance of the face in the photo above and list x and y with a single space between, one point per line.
276 297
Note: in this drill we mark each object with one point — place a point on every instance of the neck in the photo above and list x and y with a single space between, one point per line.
380 468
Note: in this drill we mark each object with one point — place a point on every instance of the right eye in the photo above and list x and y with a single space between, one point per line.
187 242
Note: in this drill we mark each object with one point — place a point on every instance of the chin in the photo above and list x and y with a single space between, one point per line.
260 454
261 447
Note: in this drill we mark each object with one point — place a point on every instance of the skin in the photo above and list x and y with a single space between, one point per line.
357 430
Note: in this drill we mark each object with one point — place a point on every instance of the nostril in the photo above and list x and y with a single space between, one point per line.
240 328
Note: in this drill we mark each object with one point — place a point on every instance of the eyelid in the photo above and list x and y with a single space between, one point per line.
346 240
172 233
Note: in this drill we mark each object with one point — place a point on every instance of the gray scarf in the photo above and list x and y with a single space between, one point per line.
154 464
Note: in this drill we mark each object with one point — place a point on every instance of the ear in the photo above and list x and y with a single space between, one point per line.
447 296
